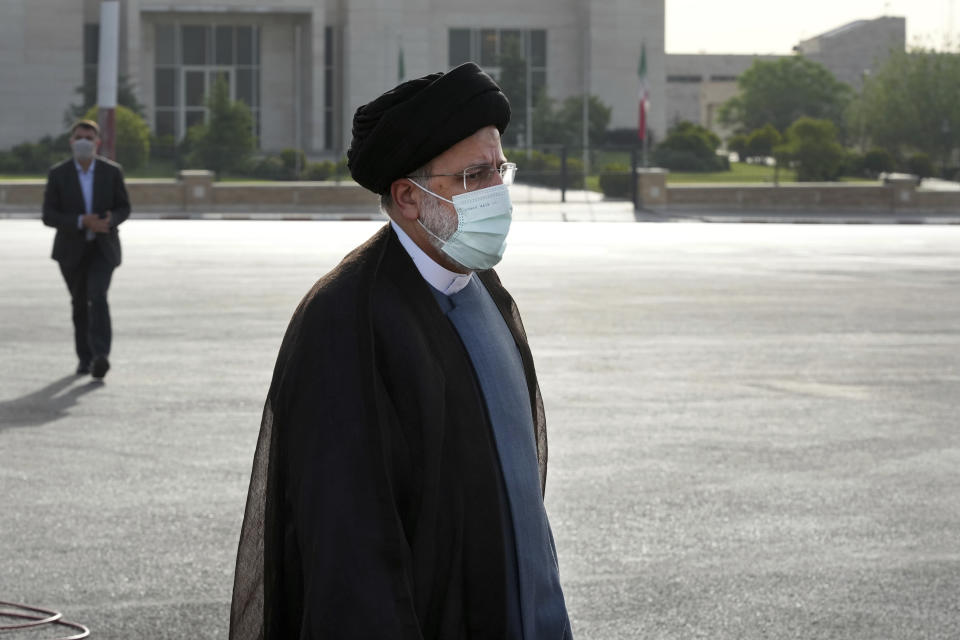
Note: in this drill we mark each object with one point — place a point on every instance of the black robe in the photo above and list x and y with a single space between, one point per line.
374 504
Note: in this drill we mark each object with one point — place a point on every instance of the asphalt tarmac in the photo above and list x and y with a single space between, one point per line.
754 429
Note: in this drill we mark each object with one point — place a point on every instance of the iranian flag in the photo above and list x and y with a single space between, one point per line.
643 95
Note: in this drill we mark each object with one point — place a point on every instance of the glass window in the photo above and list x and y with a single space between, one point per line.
224 43
195 89
90 81
488 48
165 44
245 86
194 44
165 87
166 123
244 45
459 46
328 45
328 89
538 84
91 43
511 43
538 48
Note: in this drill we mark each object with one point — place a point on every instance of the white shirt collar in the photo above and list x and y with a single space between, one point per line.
437 276
89 170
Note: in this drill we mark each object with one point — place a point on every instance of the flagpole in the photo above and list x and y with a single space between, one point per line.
642 101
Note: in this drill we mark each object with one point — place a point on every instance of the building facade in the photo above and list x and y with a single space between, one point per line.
303 66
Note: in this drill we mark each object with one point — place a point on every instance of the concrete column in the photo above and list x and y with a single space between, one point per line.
651 188
197 188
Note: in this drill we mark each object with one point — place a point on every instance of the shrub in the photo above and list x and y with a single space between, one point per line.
877 161
690 147
545 169
32 157
762 141
269 168
9 162
689 161
319 170
132 141
615 180
920 165
812 149
289 158
853 164
738 144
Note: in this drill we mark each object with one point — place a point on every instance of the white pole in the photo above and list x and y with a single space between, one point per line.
107 68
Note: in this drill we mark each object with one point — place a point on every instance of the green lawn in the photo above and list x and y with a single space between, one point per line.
739 172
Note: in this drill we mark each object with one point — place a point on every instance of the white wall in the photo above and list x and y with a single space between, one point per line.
42 64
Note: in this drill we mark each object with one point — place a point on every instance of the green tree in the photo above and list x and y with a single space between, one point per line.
126 97
690 147
781 91
912 103
132 141
224 143
562 123
738 144
812 148
761 142
877 161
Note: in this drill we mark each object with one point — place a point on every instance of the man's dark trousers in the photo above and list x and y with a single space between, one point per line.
87 260
88 283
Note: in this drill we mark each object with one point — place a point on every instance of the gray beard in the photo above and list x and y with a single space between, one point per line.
437 220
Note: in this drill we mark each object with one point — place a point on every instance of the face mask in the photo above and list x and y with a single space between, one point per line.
483 221
83 149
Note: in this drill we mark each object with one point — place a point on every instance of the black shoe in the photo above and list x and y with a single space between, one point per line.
99 366
83 368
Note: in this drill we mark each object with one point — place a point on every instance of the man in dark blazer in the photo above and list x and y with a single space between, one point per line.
85 201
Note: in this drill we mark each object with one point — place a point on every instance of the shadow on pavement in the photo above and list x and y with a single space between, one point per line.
45 405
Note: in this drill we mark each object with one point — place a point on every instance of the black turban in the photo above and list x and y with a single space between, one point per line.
408 126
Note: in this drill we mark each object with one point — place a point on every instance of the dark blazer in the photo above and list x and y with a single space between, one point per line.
63 202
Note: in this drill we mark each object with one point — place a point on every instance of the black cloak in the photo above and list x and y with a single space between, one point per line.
374 504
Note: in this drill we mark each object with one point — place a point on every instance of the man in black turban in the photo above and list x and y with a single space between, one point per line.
397 486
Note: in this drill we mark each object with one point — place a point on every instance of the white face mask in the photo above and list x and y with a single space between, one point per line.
83 149
483 221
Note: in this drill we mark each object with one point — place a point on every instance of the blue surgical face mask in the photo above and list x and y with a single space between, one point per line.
483 221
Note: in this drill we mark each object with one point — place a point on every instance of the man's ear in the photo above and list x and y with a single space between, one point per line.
405 198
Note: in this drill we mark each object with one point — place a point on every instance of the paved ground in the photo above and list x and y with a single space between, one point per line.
754 428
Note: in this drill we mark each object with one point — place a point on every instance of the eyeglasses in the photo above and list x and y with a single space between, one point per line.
480 175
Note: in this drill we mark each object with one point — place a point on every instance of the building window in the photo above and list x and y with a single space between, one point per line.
516 58
723 78
684 79
189 59
91 56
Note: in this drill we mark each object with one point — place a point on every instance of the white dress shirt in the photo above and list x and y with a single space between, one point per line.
86 186
439 277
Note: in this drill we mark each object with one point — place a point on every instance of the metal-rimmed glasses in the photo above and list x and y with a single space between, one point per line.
479 176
